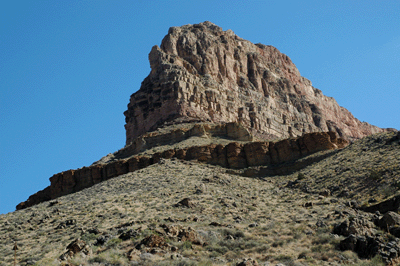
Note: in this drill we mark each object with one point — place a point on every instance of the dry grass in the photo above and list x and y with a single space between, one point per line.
260 218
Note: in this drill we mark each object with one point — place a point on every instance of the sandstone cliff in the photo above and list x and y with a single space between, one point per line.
202 73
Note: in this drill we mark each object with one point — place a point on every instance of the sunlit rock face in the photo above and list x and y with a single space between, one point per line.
202 73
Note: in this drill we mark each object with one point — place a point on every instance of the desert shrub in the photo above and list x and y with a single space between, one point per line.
77 261
375 261
110 256
374 175
301 176
236 245
233 255
148 232
113 242
322 239
235 233
185 245
283 257
89 237
205 263
47 261
262 248
278 243
217 250
182 262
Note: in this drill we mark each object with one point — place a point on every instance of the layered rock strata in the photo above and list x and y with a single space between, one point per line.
233 155
202 73
183 131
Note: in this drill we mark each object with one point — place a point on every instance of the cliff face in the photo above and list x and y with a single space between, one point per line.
202 73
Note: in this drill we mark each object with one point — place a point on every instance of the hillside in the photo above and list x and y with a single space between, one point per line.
231 158
178 212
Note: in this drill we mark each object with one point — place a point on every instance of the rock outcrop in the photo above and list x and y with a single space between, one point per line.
202 73
234 155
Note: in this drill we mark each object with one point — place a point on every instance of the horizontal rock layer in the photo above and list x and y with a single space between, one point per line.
147 141
233 155
202 73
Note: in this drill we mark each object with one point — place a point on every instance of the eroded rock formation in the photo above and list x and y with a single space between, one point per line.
202 73
233 155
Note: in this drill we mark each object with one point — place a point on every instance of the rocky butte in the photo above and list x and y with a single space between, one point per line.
202 73
209 83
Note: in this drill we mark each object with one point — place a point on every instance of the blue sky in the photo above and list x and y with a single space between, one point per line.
68 68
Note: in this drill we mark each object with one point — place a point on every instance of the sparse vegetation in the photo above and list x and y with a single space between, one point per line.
236 217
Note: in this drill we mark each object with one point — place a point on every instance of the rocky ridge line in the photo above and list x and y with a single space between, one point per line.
233 155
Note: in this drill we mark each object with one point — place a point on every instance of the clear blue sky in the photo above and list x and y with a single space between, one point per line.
67 69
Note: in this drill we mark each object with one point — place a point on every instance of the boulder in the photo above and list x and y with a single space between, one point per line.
389 219
77 246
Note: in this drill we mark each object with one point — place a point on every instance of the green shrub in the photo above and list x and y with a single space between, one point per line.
113 242
185 245
235 233
110 256
89 237
374 175
301 176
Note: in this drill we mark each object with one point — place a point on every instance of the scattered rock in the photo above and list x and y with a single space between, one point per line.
66 223
101 240
321 223
372 200
308 204
176 256
344 193
133 254
171 230
229 237
75 247
355 226
186 202
248 262
129 234
388 220
395 231
190 235
172 220
52 203
152 241
353 204
349 243
183 234
370 246
391 204
146 256
93 231
325 193
216 224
